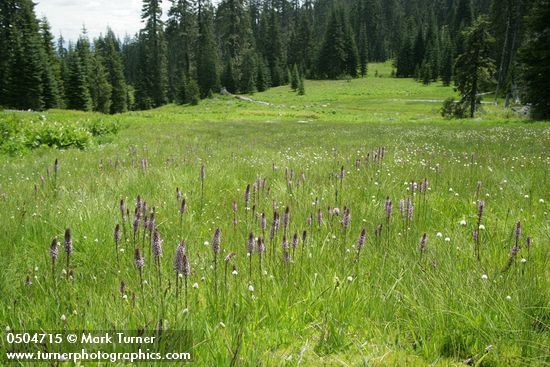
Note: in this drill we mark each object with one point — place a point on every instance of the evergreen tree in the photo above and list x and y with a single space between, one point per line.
301 87
100 88
419 49
23 65
207 58
447 58
262 76
192 93
152 72
228 77
474 66
535 60
77 91
294 78
112 60
338 54
181 35
274 50
248 73
405 60
51 77
363 49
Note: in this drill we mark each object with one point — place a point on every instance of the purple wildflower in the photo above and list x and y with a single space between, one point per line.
54 251
423 242
250 244
68 243
178 259
157 244
138 259
361 239
216 240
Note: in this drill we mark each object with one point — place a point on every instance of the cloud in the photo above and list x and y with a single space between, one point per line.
68 16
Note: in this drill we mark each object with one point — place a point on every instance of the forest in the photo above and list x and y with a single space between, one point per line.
199 47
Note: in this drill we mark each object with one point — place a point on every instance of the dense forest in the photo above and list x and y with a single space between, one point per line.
246 46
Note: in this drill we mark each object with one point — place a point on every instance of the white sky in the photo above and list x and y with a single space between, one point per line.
68 16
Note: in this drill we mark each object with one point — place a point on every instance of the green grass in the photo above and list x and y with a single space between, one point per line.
400 308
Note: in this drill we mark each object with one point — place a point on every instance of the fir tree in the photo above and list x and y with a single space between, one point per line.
77 91
338 54
262 75
363 49
535 60
53 84
228 77
294 78
207 58
112 61
100 88
474 66
248 73
153 74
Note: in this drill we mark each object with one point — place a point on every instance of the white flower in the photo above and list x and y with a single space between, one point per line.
145 281
450 189
484 277
125 297
121 249
541 201
526 196
234 272
251 288
439 234
8 328
462 222
185 310
74 312
63 317
482 227
64 271
222 324
36 268
350 278
206 243
196 285
523 260
265 272
447 239
508 298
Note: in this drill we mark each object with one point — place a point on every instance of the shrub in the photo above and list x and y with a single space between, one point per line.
21 133
453 109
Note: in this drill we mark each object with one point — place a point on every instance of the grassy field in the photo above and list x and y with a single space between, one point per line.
396 300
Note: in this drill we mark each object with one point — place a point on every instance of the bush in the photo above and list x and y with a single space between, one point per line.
22 133
453 109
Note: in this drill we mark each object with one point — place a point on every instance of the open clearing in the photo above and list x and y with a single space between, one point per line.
398 301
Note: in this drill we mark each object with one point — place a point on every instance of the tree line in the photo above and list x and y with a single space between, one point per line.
197 48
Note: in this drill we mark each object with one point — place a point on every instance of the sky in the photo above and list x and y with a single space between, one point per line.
68 16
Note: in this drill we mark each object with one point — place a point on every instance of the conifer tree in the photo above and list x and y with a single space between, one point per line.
338 54
228 77
152 72
77 90
363 49
207 58
111 56
294 78
535 60
248 73
474 66
53 85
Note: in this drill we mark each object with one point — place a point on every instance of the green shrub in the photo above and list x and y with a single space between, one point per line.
453 109
22 133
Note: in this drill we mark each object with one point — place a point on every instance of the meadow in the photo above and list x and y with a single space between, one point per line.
352 226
